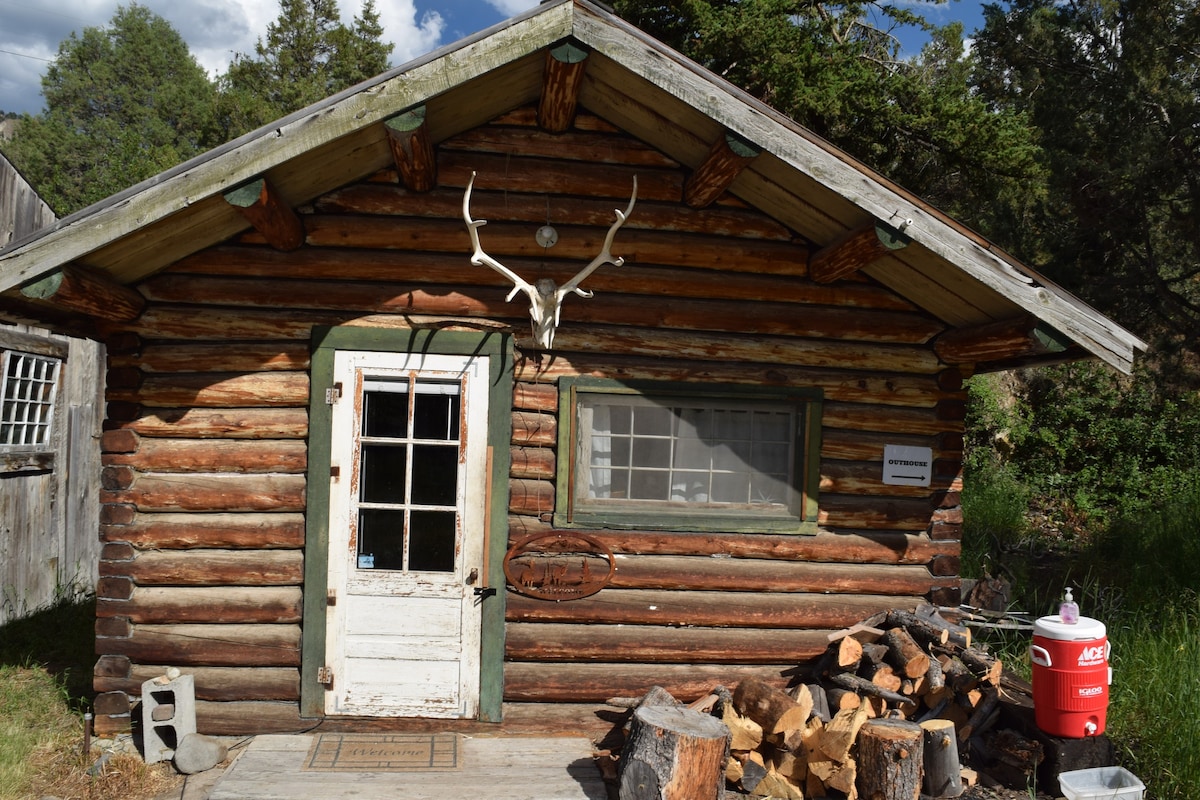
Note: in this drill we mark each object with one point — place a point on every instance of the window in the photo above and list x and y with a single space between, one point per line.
408 486
687 458
27 393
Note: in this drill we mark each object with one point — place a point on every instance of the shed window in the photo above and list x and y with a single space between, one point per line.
28 391
686 458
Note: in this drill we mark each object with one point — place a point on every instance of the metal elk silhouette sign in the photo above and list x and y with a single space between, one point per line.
545 296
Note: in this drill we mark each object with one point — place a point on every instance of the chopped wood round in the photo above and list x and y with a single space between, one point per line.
943 773
673 753
890 760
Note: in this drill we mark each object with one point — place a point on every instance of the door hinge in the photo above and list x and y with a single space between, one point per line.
333 393
325 676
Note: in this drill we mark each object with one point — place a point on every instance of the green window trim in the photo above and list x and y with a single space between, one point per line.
325 342
800 519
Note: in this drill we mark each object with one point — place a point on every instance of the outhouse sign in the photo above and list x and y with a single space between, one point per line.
907 466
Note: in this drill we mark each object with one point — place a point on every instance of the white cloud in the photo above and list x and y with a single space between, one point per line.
511 8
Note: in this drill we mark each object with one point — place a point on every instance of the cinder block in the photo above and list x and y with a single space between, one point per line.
168 714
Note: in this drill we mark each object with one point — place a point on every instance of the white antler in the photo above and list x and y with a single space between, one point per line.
545 297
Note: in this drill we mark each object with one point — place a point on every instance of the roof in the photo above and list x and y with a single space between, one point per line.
637 84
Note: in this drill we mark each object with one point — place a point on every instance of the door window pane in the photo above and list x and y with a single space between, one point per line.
380 539
383 471
431 541
409 463
435 475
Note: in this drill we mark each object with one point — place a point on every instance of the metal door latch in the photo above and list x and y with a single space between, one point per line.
485 591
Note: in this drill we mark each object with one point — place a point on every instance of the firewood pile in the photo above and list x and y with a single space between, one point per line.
893 708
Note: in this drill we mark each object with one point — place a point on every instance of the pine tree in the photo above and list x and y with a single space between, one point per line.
122 103
308 55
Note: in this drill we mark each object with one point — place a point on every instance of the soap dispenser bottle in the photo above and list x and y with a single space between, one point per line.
1068 610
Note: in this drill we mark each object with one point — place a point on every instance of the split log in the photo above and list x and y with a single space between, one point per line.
771 708
905 654
943 773
890 760
839 735
865 687
673 754
983 665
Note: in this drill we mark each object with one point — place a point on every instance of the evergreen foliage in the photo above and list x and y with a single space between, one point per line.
836 68
308 55
123 103
1112 88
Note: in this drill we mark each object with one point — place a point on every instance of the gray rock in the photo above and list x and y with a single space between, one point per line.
199 753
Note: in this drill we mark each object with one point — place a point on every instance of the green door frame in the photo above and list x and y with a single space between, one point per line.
326 340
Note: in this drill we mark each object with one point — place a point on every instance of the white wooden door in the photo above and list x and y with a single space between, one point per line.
406 534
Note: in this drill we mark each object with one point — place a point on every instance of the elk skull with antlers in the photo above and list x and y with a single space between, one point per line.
545 296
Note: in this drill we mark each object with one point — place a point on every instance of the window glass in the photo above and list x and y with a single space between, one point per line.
674 461
27 399
408 474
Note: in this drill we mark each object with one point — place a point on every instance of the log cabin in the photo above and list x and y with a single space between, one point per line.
688 401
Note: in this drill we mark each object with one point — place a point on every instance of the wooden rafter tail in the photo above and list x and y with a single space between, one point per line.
857 248
87 292
998 341
261 204
729 155
412 149
565 66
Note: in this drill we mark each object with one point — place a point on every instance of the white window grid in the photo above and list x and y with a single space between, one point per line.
28 389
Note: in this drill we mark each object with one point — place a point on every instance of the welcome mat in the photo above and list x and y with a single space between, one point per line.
383 752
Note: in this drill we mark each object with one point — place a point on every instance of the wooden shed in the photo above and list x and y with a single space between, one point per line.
369 461
50 407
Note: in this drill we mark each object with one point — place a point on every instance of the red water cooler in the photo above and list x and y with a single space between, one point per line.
1071 676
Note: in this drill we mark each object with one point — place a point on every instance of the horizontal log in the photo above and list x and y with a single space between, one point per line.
625 306
912 421
850 445
843 386
540 397
186 531
454 269
211 568
210 357
583 683
700 346
234 645
170 322
763 575
646 644
530 428
86 291
826 547
249 718
517 174
213 455
866 478
176 605
771 610
220 684
218 390
163 492
530 497
595 721
205 423
852 512
533 462
598 146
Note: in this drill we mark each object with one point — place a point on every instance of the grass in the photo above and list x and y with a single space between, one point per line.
1138 576
45 676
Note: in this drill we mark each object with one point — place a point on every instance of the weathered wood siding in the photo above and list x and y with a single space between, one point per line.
204 485
49 506
22 211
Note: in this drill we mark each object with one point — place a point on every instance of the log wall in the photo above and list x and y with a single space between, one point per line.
205 449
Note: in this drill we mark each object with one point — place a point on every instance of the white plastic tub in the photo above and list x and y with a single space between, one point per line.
1101 783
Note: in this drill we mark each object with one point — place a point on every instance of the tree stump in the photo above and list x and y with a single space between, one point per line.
890 760
673 753
943 774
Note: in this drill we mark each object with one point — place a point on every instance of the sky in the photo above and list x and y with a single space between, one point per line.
216 30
